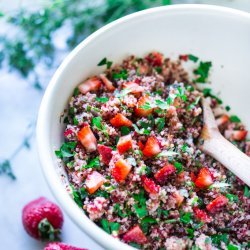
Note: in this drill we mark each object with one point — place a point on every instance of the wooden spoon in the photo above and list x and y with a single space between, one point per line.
215 145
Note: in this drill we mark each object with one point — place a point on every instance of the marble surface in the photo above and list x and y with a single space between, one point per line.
19 104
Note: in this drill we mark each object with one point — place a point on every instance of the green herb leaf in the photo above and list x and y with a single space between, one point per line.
232 247
93 163
123 74
202 71
178 167
208 92
160 123
105 225
146 222
190 232
193 58
232 197
102 99
66 150
140 207
185 218
104 61
235 118
125 130
97 122
227 108
218 238
246 191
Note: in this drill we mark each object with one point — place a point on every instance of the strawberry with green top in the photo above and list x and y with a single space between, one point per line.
42 219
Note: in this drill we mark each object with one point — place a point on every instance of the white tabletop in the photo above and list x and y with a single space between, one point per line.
19 103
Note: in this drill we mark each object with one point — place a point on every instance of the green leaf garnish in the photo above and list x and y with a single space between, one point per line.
123 74
104 61
235 118
232 197
202 71
193 58
160 123
93 163
66 150
186 218
125 130
178 167
102 99
246 191
208 92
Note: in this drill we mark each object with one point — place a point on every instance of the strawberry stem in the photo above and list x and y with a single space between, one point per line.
47 231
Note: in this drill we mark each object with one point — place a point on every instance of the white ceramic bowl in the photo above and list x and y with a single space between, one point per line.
213 33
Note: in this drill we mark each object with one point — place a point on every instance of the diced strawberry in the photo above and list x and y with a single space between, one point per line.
155 58
108 84
134 87
68 132
204 179
152 147
143 69
201 215
121 170
192 176
87 138
222 120
120 120
141 145
162 174
92 84
105 153
237 135
94 181
150 186
139 111
124 144
215 205
135 235
183 57
178 197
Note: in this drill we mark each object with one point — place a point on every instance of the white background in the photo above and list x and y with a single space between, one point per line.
19 104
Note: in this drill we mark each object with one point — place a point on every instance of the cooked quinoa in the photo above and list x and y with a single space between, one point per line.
132 157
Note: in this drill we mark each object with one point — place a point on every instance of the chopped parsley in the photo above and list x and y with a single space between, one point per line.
102 99
123 74
140 205
185 218
79 195
142 131
162 212
93 163
76 91
119 211
158 70
110 227
160 123
146 222
208 92
106 62
125 130
227 108
193 58
75 121
246 191
202 72
97 123
235 118
66 150
190 232
178 167
218 238
232 197
232 247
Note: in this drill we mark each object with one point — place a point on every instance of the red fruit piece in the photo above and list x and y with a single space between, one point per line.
178 197
152 147
150 186
134 87
192 176
108 84
120 120
61 246
105 153
217 204
42 219
92 84
201 215
155 58
204 179
237 135
124 144
222 120
94 181
184 57
141 145
162 174
121 170
135 235
139 111
87 139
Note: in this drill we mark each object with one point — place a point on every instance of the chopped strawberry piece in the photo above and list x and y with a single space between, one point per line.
143 69
68 132
92 84
120 120
204 179
139 111
134 87
184 58
192 176
121 170
178 197
237 135
162 174
150 186
222 120
217 204
155 58
201 215
141 145
152 147
135 235
108 84
94 181
87 138
105 153
124 144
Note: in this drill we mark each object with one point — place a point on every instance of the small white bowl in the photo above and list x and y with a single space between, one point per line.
217 34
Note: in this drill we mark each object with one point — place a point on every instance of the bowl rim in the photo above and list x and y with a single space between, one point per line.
42 130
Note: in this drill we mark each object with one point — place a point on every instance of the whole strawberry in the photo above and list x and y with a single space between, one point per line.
42 219
61 246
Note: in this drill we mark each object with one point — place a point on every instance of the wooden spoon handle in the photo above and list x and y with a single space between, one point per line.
228 155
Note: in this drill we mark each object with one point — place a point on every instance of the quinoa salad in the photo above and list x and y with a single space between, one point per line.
132 158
